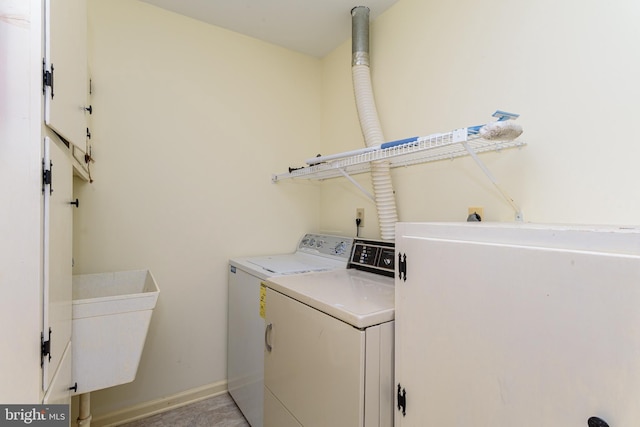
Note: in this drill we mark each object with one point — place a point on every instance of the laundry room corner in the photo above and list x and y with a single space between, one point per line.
185 139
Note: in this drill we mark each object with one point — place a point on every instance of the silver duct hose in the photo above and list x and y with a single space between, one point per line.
384 194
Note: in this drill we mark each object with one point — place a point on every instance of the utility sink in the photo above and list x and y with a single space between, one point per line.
111 316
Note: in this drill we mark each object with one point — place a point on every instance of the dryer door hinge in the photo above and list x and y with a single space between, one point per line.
45 347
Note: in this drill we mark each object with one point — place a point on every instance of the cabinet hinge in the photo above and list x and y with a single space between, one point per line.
47 78
402 400
47 177
402 266
45 347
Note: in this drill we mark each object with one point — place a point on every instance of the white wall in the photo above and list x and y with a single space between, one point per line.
568 68
189 123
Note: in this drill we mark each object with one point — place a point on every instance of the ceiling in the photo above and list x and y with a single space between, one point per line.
313 27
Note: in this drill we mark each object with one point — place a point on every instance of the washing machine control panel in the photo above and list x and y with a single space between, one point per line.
327 245
374 256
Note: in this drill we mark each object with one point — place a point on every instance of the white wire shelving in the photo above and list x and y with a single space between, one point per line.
440 146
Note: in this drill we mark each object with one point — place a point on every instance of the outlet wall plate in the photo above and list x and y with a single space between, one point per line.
479 210
360 216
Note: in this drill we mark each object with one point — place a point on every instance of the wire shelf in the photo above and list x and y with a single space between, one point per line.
424 149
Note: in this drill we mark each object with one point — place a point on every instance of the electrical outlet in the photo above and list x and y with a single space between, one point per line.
360 216
477 210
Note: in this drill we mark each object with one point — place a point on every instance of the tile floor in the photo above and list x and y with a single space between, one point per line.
218 411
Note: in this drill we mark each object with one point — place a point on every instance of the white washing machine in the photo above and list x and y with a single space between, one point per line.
329 344
245 358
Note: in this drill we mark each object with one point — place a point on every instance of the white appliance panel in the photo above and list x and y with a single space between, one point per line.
245 370
316 364
275 414
379 396
305 311
359 298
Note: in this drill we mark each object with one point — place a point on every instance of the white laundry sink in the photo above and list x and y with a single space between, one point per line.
111 316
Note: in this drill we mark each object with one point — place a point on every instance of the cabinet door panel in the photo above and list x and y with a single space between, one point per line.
66 52
59 392
494 334
58 223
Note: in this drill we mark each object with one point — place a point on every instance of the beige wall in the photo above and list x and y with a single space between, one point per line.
568 68
189 123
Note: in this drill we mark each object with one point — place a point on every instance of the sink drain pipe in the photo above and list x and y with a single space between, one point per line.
84 416
384 195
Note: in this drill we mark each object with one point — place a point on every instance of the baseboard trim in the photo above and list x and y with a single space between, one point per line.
158 406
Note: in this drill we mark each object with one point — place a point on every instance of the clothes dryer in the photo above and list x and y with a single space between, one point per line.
329 344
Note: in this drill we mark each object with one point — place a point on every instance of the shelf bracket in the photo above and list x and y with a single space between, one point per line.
275 178
354 182
493 179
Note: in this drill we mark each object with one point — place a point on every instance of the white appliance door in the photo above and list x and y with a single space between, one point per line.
315 365
275 414
245 370
507 335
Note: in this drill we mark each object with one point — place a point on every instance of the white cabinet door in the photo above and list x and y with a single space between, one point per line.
59 392
315 367
524 333
21 201
66 60
58 228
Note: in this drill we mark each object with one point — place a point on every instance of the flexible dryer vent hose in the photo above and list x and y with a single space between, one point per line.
384 194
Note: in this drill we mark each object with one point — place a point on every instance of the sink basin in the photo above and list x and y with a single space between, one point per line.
111 316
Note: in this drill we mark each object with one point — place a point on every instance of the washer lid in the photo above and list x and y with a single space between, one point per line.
356 297
275 265
295 263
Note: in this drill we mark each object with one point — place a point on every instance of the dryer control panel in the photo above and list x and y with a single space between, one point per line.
374 256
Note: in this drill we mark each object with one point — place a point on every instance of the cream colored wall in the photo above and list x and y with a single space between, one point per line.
189 123
568 68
